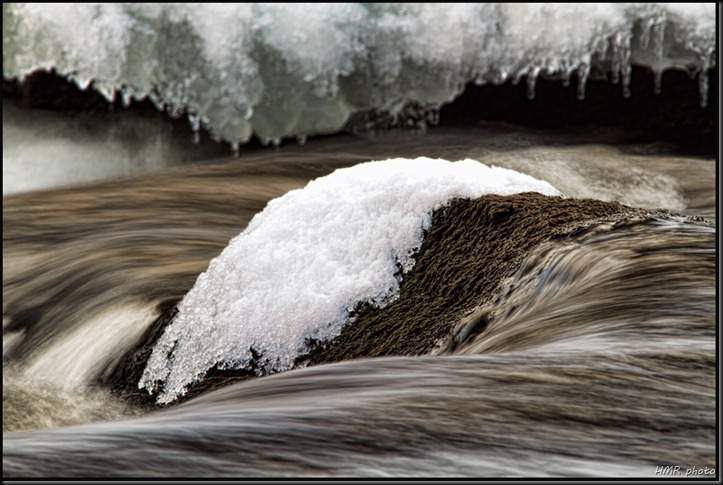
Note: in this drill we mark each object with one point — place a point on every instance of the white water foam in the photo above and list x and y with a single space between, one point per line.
307 260
281 70
76 359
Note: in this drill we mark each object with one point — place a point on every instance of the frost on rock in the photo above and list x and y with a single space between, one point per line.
286 70
307 260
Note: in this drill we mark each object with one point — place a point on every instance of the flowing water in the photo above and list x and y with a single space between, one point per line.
597 358
529 336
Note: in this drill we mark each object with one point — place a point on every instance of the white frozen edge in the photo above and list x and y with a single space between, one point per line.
281 70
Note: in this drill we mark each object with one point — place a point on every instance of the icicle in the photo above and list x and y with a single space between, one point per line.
615 75
582 73
518 76
626 71
625 66
616 66
126 96
81 83
703 86
566 73
657 80
659 31
301 139
531 81
195 122
276 141
106 90
235 149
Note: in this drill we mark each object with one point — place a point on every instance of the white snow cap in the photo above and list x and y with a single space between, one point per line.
308 259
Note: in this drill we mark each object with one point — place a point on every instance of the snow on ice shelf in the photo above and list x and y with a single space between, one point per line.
281 70
307 260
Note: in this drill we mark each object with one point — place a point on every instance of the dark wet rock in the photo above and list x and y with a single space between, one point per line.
471 247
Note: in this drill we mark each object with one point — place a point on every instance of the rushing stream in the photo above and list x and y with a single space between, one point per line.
476 299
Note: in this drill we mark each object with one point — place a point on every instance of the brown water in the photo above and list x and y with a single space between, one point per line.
595 358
